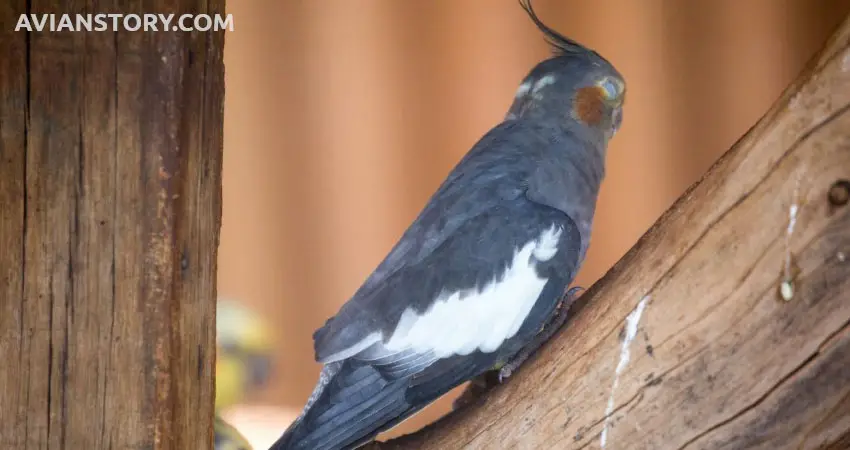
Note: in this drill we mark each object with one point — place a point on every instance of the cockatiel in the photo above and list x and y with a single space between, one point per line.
482 269
242 363
243 360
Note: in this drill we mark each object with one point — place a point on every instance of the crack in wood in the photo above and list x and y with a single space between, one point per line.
799 368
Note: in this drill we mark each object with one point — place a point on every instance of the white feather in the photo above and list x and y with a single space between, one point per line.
461 322
544 81
348 352
523 89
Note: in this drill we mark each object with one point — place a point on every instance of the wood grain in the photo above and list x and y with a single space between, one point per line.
716 358
110 183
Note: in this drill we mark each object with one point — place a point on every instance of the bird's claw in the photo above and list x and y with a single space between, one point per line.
504 373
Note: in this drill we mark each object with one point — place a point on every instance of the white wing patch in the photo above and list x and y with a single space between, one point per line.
461 322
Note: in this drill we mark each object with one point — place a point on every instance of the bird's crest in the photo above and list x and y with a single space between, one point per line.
561 44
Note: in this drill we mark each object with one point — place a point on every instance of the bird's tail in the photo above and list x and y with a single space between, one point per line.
349 406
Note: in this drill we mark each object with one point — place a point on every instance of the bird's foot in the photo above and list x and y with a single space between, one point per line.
559 317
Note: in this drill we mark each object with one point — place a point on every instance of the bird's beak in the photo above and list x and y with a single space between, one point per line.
617 120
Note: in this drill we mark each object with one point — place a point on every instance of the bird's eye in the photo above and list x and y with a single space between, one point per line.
611 88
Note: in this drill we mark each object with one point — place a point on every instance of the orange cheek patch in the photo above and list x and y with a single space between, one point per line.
588 105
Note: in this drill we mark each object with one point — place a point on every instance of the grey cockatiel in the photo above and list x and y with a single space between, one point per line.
482 269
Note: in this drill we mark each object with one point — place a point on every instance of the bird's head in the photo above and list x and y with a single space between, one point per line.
577 87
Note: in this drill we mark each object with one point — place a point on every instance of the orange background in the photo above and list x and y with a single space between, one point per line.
343 116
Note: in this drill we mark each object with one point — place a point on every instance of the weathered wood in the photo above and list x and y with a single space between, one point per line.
110 205
687 342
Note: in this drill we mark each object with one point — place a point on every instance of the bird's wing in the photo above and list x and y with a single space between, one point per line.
466 274
452 313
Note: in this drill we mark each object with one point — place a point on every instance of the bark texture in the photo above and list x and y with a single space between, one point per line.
110 209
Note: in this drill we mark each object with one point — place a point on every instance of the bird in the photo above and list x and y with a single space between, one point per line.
244 352
473 283
243 361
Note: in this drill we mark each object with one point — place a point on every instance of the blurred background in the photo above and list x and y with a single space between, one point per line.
343 116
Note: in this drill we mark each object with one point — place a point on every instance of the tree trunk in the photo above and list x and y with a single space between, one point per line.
110 208
726 326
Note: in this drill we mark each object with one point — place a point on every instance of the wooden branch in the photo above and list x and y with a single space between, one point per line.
110 206
687 342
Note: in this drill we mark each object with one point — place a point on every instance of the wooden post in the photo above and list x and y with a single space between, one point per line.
726 326
110 205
